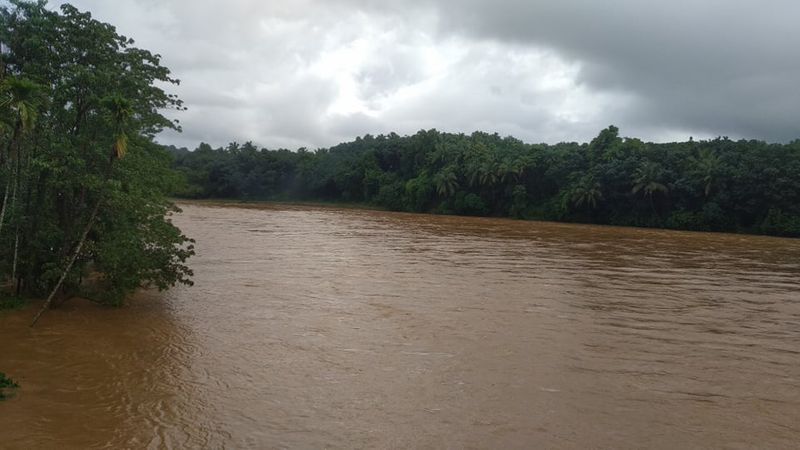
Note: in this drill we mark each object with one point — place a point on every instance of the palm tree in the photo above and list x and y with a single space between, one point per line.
3 129
475 157
487 173
647 180
706 167
121 110
510 170
587 191
22 97
473 173
446 182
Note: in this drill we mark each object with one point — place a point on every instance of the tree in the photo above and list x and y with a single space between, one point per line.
510 170
446 182
717 185
21 97
706 167
585 192
92 181
647 179
605 144
120 110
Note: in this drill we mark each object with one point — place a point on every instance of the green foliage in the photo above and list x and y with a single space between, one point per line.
10 301
80 173
583 193
519 202
6 384
779 223
715 185
419 193
22 98
647 179
470 204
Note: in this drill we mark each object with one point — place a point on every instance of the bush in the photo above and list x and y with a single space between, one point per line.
6 383
780 224
686 220
470 204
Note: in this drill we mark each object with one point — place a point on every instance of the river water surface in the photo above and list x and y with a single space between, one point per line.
315 327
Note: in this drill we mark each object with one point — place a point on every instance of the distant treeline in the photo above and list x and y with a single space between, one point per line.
714 185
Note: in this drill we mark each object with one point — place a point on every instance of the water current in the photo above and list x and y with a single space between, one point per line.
314 327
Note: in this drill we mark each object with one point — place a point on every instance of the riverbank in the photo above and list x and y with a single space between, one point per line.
726 186
247 203
11 302
223 202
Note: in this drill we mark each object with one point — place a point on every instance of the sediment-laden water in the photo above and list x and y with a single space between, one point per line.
328 328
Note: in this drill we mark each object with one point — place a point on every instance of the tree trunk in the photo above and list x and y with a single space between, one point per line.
77 251
19 286
5 202
72 259
2 64
653 205
16 232
14 136
16 252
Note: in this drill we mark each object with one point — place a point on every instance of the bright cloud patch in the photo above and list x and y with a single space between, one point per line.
312 73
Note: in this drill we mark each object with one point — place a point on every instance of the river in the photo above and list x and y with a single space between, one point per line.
314 327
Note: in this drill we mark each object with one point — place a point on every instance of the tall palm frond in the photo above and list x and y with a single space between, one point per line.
23 97
121 110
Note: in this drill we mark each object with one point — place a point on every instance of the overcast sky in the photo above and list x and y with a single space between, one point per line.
313 73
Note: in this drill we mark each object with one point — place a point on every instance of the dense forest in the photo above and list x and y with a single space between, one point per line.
82 183
712 185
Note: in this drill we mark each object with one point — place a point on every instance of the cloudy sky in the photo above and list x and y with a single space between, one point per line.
292 73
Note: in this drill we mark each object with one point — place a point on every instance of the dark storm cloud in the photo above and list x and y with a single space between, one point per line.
720 67
312 73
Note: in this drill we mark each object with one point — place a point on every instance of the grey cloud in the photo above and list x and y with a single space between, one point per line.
718 66
394 68
312 73
498 89
344 126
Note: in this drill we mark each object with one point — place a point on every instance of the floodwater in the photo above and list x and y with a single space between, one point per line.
314 328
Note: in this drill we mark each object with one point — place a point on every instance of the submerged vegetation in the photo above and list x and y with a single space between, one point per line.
6 384
10 301
712 185
82 183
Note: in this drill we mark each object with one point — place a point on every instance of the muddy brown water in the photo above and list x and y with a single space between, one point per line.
314 327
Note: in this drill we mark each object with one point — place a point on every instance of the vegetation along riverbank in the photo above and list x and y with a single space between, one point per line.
82 183
6 385
710 185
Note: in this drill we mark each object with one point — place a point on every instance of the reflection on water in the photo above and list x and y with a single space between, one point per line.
319 327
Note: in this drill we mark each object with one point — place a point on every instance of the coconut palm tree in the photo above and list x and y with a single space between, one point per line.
121 111
473 172
510 170
446 182
647 180
487 173
22 97
586 192
706 167
4 128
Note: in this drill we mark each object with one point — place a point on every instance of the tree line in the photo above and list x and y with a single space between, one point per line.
712 185
82 182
